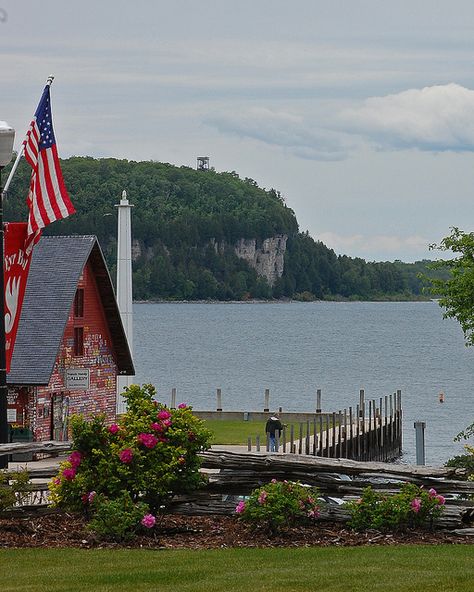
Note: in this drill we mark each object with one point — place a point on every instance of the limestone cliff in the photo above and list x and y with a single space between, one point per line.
267 257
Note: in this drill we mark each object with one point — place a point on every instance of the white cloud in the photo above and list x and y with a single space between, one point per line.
282 129
389 246
434 118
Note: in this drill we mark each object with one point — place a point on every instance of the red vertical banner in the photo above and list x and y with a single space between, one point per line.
16 265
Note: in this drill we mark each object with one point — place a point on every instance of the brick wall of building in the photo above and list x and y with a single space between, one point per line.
50 405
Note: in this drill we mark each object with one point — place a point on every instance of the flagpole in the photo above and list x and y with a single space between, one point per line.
49 82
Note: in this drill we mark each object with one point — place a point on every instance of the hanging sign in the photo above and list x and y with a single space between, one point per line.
77 379
16 264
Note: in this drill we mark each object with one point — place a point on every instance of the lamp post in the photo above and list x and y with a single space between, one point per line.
7 135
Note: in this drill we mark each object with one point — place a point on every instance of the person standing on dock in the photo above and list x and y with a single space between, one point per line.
273 426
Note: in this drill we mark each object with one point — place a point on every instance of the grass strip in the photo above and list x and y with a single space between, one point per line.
444 568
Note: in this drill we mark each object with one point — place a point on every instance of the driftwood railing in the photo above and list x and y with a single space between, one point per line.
367 433
233 475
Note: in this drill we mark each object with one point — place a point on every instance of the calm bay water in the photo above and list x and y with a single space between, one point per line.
295 348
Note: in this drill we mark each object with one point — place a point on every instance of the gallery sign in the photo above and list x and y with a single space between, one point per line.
77 379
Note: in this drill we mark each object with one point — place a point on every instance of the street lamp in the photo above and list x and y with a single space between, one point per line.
7 136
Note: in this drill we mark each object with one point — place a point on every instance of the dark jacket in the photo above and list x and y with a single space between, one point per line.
273 425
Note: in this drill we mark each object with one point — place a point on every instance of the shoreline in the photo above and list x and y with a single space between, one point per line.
284 301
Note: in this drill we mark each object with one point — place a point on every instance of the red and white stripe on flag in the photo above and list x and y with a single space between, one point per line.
48 199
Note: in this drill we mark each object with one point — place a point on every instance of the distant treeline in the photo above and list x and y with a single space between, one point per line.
180 215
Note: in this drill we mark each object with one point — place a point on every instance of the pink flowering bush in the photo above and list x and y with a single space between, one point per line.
149 455
278 505
412 507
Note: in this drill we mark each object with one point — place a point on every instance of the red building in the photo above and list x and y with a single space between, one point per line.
71 344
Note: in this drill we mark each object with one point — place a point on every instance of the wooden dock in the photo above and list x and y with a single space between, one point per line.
370 432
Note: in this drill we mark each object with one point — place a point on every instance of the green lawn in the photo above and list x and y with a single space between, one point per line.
440 568
236 432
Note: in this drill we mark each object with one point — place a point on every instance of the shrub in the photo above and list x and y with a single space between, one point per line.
463 461
151 453
116 519
279 505
412 507
14 488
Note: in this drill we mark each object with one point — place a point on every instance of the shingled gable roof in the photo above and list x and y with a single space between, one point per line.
56 266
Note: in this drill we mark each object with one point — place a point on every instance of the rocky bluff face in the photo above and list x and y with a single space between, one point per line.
266 257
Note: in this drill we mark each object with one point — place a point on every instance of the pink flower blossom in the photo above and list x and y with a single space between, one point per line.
156 426
148 440
126 455
57 481
164 414
416 505
148 521
441 500
91 496
182 406
432 492
262 497
69 474
240 507
84 498
75 459
114 428
274 481
166 423
314 513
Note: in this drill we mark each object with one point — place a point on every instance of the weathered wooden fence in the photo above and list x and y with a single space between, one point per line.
233 475
370 432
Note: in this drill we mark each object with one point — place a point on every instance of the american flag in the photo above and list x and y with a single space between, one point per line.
48 199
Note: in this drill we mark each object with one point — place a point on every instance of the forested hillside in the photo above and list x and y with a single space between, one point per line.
185 227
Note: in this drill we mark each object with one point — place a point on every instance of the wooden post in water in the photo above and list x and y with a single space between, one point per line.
362 403
391 428
339 435
370 433
292 439
327 431
300 440
318 401
334 454
374 435
219 400
321 435
362 423
315 437
400 421
358 433
266 406
173 398
346 437
284 439
308 433
351 427
249 444
257 442
381 441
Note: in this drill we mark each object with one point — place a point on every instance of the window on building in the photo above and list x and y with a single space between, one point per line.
79 303
78 341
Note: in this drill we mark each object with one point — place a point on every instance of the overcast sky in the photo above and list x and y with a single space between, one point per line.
360 112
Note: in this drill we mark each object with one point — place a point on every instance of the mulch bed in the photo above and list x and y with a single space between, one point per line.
202 532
